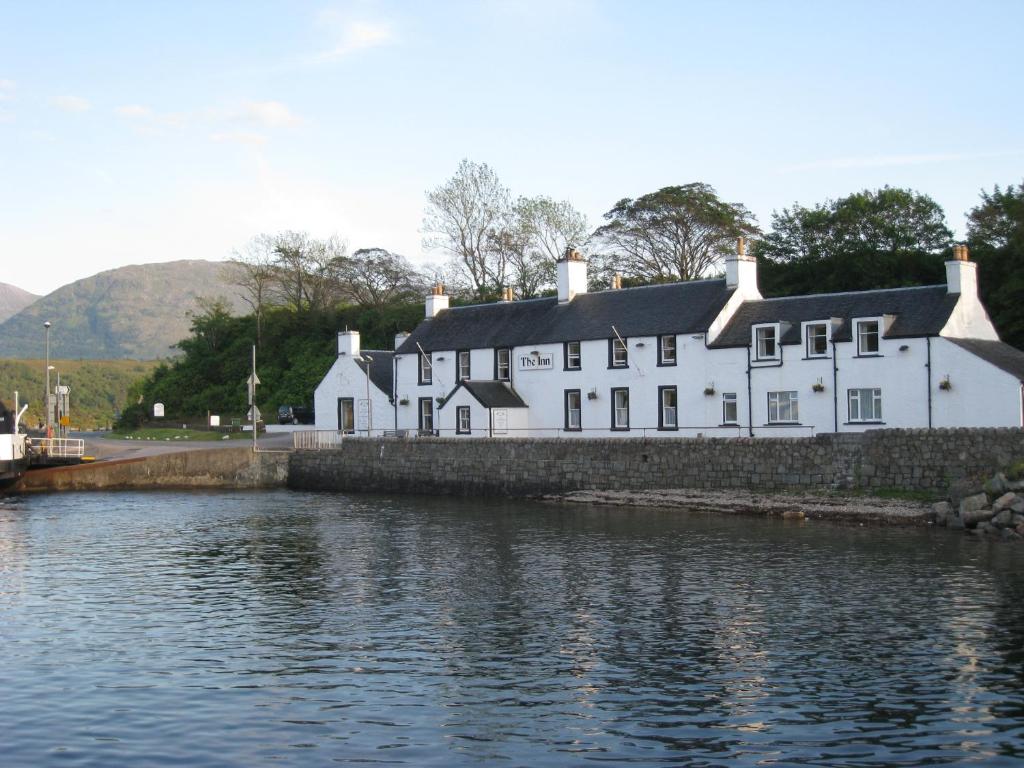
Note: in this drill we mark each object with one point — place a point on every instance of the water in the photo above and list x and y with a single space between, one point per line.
299 629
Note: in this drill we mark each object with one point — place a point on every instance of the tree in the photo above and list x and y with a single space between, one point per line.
256 275
373 277
995 234
676 233
872 239
462 217
537 234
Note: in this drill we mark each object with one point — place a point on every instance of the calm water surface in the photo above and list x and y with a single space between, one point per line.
278 628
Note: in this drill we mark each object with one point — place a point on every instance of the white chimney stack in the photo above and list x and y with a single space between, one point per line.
572 275
961 273
400 338
437 301
348 343
741 271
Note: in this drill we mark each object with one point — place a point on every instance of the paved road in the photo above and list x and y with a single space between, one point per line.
100 445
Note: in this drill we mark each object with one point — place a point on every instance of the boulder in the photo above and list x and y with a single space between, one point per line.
1003 519
1017 519
1020 528
1015 485
1018 506
974 509
1008 533
1004 502
984 527
942 511
793 514
996 485
960 490
956 523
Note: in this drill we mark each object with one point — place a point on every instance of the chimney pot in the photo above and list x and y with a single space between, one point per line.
741 247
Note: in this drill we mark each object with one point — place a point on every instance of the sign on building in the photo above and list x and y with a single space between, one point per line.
499 421
541 361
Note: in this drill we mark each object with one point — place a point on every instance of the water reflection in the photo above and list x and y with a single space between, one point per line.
252 629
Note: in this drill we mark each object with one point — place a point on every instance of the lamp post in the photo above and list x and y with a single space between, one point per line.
46 400
369 405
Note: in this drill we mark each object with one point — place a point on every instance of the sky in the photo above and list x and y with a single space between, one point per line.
160 130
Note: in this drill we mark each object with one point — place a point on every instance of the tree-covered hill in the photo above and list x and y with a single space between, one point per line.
137 312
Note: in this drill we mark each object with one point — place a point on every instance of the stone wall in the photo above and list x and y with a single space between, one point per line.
928 460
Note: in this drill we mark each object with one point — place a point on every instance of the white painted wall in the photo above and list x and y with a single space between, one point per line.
980 394
346 379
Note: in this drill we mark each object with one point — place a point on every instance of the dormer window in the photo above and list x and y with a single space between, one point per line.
816 336
766 342
426 368
867 337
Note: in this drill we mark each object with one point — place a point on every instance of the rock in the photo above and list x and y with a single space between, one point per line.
1016 520
942 511
973 509
961 489
1015 485
1004 502
1006 533
1003 519
996 486
955 523
1020 528
793 514
984 527
1018 506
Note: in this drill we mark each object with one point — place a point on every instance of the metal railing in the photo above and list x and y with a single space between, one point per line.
58 447
317 440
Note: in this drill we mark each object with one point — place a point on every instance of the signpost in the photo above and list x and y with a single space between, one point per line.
254 412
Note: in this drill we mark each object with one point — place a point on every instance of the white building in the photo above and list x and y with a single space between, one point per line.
708 357
356 395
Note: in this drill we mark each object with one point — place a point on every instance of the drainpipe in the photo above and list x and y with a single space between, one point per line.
835 389
928 365
394 387
750 397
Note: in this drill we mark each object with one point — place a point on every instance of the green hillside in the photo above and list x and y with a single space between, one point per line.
99 388
137 312
13 300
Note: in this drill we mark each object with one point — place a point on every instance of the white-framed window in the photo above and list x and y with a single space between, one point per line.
730 413
427 414
620 408
573 410
667 350
865 404
783 407
816 335
462 420
867 337
426 368
503 364
766 342
573 361
617 354
464 368
668 416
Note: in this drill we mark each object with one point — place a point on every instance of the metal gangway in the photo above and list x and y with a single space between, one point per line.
50 451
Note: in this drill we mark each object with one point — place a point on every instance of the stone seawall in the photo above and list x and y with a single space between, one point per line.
218 468
912 460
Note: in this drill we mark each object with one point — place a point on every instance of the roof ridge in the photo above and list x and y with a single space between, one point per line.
845 293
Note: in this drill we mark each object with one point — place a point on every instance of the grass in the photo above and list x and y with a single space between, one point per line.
166 433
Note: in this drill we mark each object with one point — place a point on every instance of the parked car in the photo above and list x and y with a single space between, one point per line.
294 414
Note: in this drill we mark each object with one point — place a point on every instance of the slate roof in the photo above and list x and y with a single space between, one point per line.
998 353
382 369
645 311
491 394
920 311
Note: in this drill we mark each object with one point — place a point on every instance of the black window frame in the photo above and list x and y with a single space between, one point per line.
352 404
611 353
661 407
419 407
497 368
428 358
662 362
458 365
615 390
579 356
565 408
459 410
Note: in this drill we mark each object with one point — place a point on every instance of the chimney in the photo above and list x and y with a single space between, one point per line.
436 301
572 275
507 295
400 338
348 343
741 271
961 272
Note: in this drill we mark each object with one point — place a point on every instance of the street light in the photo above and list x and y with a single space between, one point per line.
46 400
369 405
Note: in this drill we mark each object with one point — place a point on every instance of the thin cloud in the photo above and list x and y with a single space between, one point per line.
270 114
72 103
135 112
246 138
354 35
6 89
892 161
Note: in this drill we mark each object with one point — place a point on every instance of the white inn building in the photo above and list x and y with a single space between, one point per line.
705 358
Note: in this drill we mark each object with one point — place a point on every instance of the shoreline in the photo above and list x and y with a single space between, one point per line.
835 508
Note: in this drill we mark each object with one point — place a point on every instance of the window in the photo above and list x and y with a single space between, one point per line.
503 364
464 369
462 420
668 411
620 408
666 350
865 404
767 348
426 368
572 356
867 337
573 411
426 415
817 340
730 414
783 407
346 415
617 356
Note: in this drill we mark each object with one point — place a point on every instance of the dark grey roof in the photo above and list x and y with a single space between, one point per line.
646 311
490 394
382 369
921 311
1001 355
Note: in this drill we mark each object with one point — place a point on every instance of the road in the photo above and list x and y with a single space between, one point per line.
103 447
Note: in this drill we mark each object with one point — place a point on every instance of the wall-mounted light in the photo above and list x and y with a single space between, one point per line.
640 344
904 347
440 359
592 394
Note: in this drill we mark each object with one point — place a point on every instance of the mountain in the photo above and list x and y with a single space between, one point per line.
13 300
136 312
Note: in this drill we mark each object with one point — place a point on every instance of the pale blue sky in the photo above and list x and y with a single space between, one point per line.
149 131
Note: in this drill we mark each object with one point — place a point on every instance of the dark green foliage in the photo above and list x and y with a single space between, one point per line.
995 230
296 350
882 239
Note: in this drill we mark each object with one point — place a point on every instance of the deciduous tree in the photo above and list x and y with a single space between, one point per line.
995 232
